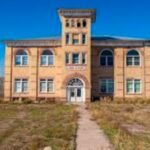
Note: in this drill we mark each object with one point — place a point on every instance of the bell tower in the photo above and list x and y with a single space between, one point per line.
76 26
76 48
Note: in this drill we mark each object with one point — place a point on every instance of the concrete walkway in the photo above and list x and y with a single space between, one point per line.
89 135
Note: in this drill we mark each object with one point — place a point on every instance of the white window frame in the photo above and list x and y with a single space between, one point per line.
107 85
21 85
133 59
21 60
133 86
46 82
78 58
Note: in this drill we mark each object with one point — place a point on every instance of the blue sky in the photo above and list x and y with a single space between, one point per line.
21 19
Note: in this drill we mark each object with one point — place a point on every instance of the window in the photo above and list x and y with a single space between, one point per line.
106 86
78 24
133 58
106 58
75 39
83 58
67 38
75 58
133 86
67 23
83 38
21 58
72 23
67 58
84 23
21 85
47 58
46 85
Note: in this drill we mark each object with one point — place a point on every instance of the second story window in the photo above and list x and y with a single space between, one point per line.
83 38
47 58
83 58
67 58
133 58
106 58
75 58
67 38
21 85
46 85
21 58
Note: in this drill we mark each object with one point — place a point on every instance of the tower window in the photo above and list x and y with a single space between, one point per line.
84 23
75 39
83 38
67 38
78 24
72 23
67 23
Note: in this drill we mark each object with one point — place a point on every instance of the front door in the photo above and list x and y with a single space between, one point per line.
75 94
75 90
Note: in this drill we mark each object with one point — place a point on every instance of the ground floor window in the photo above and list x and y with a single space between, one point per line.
46 85
106 85
21 85
133 86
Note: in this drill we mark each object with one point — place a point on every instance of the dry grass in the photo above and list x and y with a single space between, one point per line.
32 127
127 125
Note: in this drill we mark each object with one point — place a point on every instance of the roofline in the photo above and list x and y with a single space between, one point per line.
78 13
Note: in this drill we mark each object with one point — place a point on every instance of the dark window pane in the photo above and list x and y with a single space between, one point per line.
110 61
103 61
129 61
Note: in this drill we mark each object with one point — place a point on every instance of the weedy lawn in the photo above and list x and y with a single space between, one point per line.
32 127
127 125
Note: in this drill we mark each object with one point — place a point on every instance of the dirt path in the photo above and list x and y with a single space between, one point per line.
89 135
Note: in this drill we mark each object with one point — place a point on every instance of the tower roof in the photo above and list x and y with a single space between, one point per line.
78 13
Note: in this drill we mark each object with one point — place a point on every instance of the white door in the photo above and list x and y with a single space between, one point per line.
75 94
75 90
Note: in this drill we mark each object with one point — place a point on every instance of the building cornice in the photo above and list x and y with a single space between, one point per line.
121 43
78 13
33 43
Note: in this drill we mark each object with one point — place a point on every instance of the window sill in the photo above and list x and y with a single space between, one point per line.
47 93
133 93
21 66
76 64
21 93
46 66
134 66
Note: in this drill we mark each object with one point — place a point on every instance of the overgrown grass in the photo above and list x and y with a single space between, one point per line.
32 127
127 125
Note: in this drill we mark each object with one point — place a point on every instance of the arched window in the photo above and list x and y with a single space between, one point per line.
84 23
75 82
106 58
47 58
21 58
133 58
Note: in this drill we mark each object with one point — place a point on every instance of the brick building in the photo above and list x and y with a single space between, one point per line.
77 66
